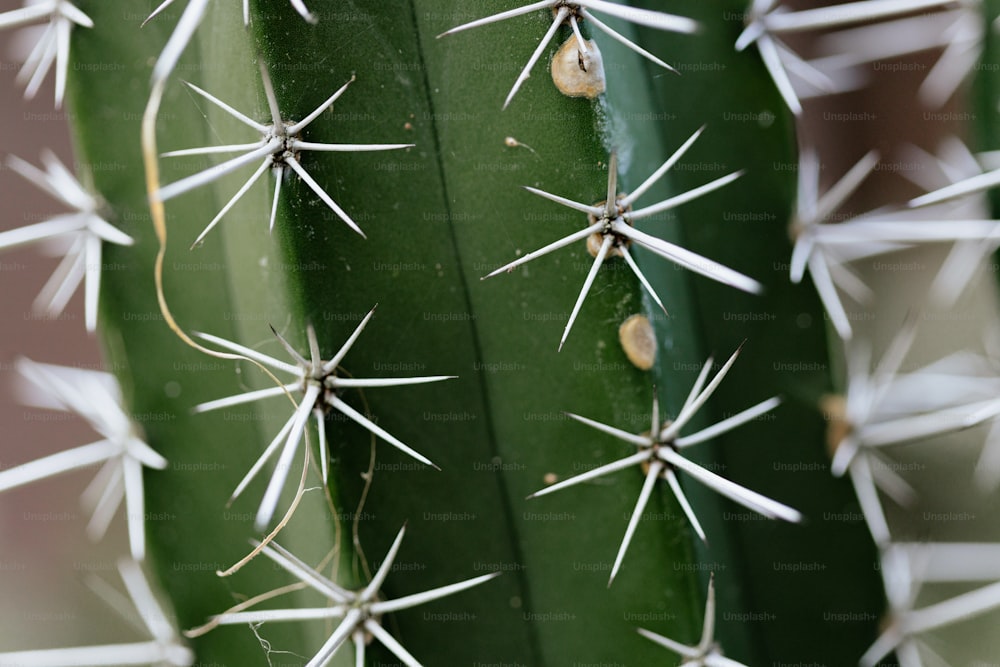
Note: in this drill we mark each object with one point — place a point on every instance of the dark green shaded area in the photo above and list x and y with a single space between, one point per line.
827 561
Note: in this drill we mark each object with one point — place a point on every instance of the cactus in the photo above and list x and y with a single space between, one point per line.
410 306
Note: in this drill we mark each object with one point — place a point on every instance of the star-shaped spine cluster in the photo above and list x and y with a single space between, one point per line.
279 148
359 612
96 397
611 231
320 387
573 13
60 17
659 452
80 236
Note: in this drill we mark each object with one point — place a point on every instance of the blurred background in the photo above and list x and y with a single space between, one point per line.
45 557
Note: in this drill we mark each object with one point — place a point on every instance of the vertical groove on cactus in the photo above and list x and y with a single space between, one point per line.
504 491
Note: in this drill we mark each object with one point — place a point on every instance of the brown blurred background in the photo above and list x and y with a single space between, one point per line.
44 555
